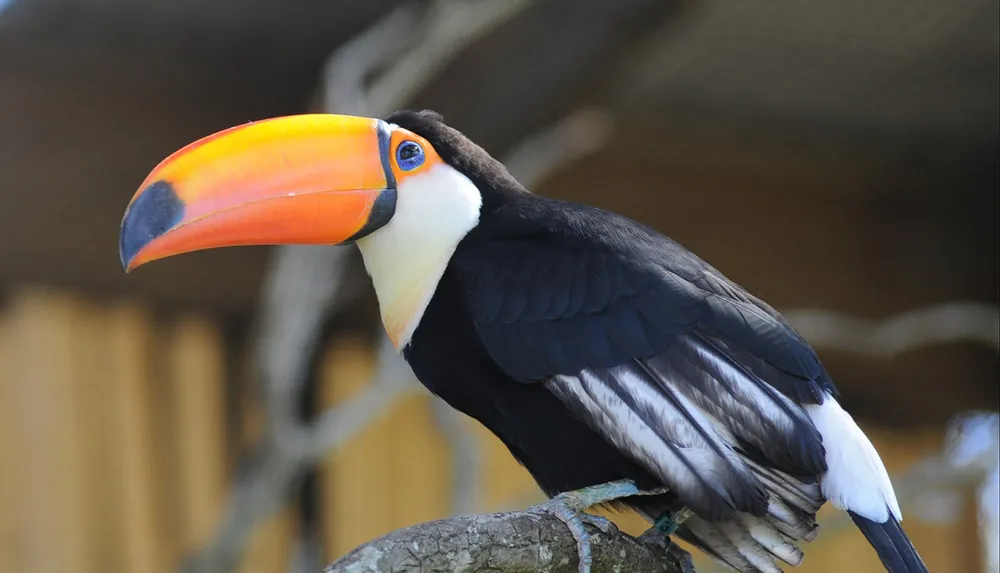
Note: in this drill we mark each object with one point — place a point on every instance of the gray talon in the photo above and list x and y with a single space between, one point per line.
602 523
574 520
569 508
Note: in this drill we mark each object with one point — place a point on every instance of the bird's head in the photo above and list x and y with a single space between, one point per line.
406 190
305 179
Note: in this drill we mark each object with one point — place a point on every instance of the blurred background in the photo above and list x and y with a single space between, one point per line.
237 410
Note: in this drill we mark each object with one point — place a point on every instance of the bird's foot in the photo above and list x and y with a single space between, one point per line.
574 520
569 508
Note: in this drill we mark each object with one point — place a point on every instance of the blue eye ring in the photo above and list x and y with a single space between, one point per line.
409 155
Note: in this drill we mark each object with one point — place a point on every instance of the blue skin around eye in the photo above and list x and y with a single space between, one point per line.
411 160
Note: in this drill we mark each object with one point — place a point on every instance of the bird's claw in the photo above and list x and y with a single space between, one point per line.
604 524
574 520
569 508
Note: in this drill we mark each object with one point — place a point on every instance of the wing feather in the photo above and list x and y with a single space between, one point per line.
758 414
697 380
684 453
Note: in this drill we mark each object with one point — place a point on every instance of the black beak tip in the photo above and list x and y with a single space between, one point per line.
155 211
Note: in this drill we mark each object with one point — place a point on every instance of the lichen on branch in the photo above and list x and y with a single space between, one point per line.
514 542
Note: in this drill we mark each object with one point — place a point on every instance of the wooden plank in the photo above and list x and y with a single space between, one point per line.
49 506
269 549
197 382
92 372
420 455
8 454
356 481
506 484
139 471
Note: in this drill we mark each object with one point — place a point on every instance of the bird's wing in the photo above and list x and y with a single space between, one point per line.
661 355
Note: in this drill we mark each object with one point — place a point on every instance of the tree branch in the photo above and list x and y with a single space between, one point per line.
452 25
345 89
540 155
465 457
338 425
946 323
512 542
298 283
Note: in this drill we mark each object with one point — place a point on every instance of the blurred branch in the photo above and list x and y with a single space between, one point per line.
420 42
338 425
451 26
298 283
508 542
348 69
578 134
946 323
465 458
269 476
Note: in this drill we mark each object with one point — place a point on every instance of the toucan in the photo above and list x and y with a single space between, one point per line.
617 366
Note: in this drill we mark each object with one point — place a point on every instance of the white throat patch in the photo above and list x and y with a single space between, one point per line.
406 258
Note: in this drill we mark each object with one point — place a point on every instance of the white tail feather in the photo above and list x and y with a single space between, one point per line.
855 479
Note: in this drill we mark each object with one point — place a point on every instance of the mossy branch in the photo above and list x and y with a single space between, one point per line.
514 542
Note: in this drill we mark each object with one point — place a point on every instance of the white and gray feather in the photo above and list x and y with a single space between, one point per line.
729 446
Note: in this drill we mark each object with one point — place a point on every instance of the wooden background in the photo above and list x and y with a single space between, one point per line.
120 430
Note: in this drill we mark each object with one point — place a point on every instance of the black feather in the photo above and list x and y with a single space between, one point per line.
579 263
891 543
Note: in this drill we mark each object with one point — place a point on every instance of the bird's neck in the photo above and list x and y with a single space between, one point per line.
407 257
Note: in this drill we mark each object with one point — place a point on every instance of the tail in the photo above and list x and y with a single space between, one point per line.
891 543
857 482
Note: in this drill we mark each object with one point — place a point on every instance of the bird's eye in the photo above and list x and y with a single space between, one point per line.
409 155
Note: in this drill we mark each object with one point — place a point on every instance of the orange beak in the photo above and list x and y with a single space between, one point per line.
305 179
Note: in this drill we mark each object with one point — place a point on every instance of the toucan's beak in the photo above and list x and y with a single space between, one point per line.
305 179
